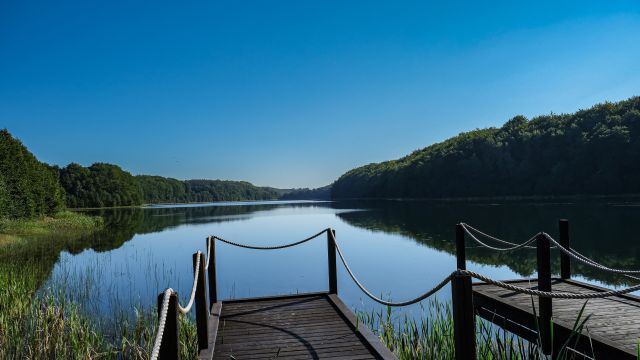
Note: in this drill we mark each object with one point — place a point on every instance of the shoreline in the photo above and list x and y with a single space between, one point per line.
12 230
505 198
479 199
150 205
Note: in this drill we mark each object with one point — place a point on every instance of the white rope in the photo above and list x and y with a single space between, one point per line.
161 323
186 309
585 260
468 227
425 295
514 247
209 241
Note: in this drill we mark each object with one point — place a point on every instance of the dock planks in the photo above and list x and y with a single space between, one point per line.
613 324
312 326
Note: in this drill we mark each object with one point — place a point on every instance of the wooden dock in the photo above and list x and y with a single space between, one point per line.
320 326
301 326
612 326
311 326
612 330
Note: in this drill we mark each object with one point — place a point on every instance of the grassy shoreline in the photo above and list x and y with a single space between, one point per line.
62 222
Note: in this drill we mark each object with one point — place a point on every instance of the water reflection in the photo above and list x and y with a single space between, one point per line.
397 248
603 231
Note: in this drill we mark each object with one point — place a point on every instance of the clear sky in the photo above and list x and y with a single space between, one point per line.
294 93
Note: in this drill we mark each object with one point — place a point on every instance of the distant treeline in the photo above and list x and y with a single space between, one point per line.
157 189
106 185
322 193
30 188
594 151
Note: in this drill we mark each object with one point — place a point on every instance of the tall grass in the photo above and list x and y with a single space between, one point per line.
64 221
431 335
58 318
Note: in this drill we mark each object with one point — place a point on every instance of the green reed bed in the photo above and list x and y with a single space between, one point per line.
64 221
56 319
430 336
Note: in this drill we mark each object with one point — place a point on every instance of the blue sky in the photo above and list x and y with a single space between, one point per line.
294 93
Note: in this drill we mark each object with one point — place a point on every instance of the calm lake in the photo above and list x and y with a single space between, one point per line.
398 249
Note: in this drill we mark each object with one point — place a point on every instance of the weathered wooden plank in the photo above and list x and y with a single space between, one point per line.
301 326
613 324
214 317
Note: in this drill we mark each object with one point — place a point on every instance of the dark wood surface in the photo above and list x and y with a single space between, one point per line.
613 326
317 326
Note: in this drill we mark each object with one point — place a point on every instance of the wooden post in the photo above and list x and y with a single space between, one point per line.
464 320
202 314
565 260
211 272
331 255
461 256
544 284
170 345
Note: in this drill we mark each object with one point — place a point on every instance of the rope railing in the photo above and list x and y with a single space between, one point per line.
478 276
276 247
183 310
511 248
425 295
209 242
549 294
470 230
161 322
585 260
459 286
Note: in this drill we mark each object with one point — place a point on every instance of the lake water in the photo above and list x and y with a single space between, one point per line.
398 249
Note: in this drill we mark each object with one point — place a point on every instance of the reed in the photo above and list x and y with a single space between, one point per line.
430 335
59 318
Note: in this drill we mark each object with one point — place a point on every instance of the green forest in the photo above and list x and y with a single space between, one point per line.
107 185
30 188
593 151
157 189
321 193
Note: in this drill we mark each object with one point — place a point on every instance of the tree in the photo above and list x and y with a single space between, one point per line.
28 187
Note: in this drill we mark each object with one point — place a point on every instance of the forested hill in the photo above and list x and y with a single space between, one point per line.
157 189
594 151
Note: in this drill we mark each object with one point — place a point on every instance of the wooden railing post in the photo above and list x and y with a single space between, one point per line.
331 255
202 314
464 320
544 284
565 260
170 345
461 256
211 272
